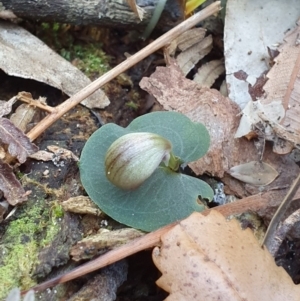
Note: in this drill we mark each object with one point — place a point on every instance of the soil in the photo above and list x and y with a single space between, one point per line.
53 233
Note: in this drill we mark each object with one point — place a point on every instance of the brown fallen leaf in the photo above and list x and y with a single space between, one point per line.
209 72
218 113
19 144
13 191
23 116
221 117
254 172
186 40
188 58
209 258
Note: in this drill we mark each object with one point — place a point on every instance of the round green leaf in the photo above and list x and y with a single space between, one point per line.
190 140
162 199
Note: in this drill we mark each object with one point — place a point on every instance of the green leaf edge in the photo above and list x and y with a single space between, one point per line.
148 221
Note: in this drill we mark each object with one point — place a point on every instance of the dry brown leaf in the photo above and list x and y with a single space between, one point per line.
23 116
187 59
221 117
187 40
13 191
216 112
209 258
254 172
19 144
209 72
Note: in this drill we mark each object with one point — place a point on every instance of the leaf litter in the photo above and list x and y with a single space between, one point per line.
276 112
220 115
24 55
209 258
223 166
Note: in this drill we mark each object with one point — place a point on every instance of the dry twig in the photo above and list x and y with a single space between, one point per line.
162 41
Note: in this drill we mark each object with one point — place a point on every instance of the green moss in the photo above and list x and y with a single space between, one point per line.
33 229
133 105
88 57
57 210
17 266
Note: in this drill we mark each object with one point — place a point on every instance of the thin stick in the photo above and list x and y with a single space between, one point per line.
255 203
63 108
280 212
35 103
150 240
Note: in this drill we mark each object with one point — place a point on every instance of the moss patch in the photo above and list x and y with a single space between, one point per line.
33 228
86 56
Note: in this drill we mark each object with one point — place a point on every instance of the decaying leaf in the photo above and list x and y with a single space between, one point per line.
23 116
187 40
254 172
209 72
209 258
6 106
221 117
216 112
250 27
191 56
81 205
279 108
253 114
13 191
137 9
19 144
99 243
24 55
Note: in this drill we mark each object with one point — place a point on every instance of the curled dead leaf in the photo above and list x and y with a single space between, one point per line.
13 191
23 116
188 58
209 72
19 144
187 40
